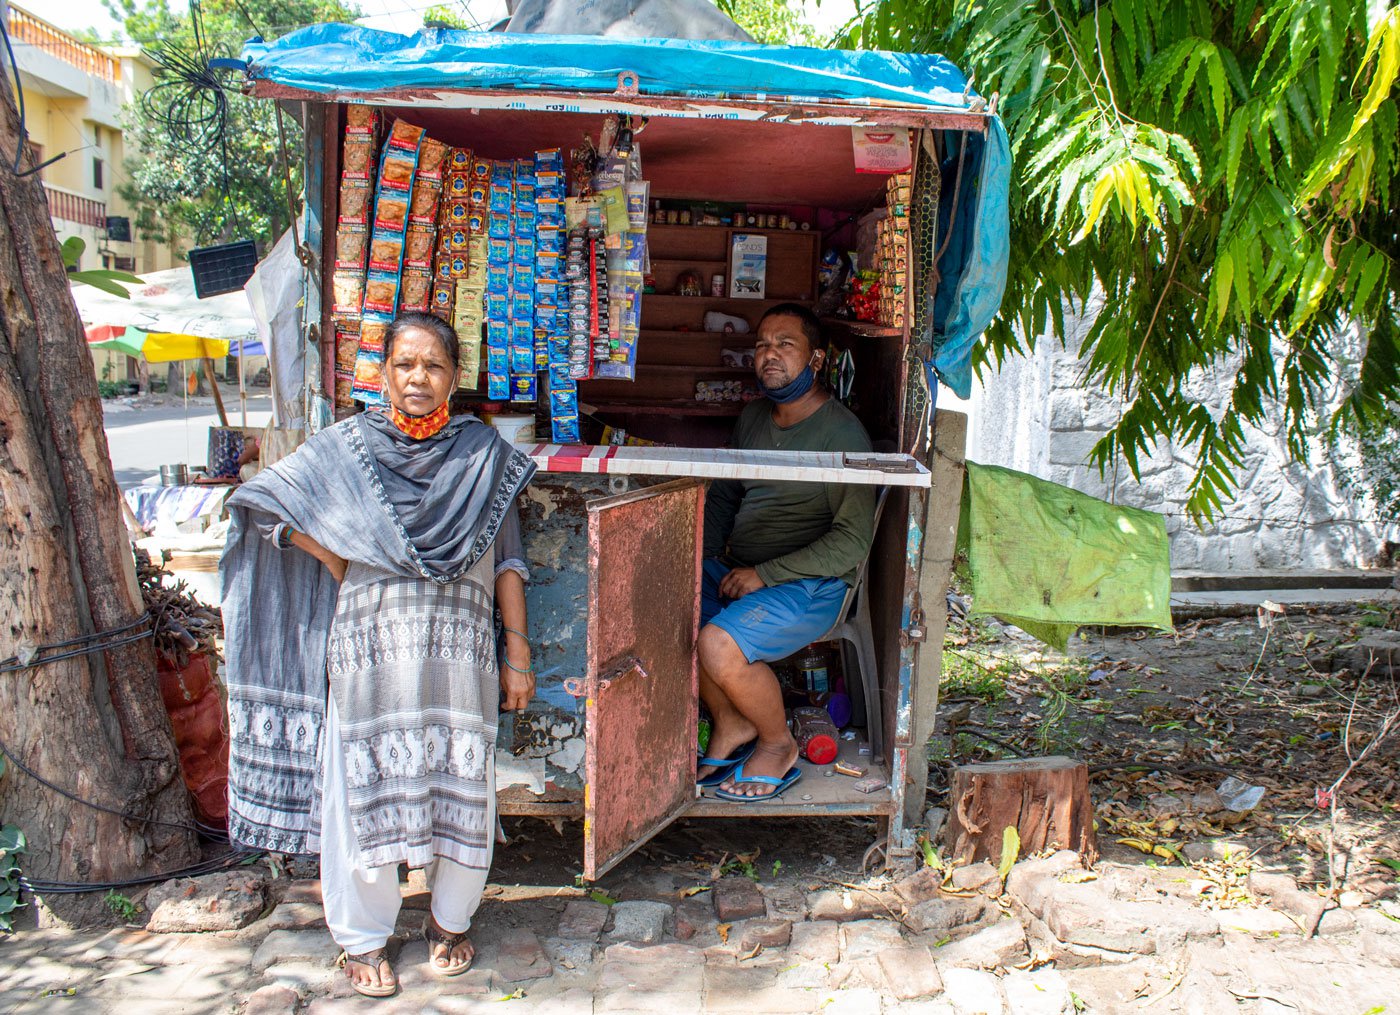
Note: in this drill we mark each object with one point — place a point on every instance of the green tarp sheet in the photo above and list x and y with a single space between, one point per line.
1050 559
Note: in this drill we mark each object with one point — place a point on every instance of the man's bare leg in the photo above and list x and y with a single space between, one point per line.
730 729
751 690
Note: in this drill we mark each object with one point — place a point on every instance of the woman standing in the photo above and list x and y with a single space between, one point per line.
368 565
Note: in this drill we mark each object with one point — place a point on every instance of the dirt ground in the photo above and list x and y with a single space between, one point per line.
1161 719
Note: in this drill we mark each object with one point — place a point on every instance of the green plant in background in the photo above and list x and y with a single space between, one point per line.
12 844
1222 176
122 907
965 675
106 279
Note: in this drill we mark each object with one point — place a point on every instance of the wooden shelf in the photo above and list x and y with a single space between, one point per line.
865 329
692 368
729 336
733 302
685 261
641 407
654 227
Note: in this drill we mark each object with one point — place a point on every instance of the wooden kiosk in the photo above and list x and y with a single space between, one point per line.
613 533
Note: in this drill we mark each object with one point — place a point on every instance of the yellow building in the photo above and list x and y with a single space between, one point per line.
74 93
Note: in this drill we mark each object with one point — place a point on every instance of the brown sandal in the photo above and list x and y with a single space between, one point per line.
371 960
435 936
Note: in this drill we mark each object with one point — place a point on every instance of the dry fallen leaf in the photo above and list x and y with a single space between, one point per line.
723 931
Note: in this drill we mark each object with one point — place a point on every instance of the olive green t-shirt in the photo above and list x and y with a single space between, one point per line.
790 530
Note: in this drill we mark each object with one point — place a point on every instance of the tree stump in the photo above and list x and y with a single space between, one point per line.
1045 799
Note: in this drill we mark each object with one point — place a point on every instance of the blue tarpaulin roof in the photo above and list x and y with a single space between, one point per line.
343 60
347 58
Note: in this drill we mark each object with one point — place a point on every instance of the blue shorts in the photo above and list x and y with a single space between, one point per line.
773 622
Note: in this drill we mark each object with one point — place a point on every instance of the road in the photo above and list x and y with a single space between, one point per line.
142 438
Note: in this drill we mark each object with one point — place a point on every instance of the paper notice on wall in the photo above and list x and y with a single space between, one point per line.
881 149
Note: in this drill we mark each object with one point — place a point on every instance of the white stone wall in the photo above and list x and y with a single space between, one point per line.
1037 414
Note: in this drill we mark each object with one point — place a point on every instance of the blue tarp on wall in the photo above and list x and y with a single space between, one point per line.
343 60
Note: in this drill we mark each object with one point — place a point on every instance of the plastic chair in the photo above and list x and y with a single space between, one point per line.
853 627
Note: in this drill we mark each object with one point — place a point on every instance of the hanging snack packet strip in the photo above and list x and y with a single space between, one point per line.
388 232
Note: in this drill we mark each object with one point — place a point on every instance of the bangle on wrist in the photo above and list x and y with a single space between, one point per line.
284 537
511 665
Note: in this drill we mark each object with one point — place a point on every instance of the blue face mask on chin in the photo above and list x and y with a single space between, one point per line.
793 389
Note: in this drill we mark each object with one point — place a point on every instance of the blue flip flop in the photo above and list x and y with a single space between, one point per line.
793 774
723 766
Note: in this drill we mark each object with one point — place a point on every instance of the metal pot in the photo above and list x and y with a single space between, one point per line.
175 475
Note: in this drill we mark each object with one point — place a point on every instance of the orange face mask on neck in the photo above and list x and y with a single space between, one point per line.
420 427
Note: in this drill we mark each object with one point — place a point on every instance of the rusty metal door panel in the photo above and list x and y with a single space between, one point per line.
644 614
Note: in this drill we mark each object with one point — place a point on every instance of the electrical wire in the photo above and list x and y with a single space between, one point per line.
88 644
190 99
234 858
127 815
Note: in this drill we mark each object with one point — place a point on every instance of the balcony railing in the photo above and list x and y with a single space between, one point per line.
25 27
71 207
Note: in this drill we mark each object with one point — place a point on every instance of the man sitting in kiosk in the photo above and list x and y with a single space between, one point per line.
779 557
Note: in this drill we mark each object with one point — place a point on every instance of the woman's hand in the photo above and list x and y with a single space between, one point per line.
517 678
335 564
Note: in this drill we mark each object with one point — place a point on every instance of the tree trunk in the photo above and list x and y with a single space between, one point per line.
1045 799
93 725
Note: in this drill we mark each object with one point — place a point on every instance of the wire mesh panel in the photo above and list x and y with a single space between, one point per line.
923 284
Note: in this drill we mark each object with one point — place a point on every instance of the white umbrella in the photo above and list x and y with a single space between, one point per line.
165 302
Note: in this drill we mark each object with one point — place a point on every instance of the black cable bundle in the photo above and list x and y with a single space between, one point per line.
188 99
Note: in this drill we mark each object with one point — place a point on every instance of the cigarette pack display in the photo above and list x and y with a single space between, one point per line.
423 206
442 301
350 247
368 386
469 342
522 388
386 251
354 201
381 292
418 246
361 119
357 157
347 346
347 293
432 157
415 289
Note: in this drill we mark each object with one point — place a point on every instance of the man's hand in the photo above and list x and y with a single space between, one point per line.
739 583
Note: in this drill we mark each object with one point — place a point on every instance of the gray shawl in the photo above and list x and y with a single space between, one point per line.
426 509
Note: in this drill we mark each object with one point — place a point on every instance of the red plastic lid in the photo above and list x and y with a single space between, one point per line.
821 749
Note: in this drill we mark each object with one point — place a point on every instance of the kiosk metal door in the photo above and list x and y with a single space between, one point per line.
642 687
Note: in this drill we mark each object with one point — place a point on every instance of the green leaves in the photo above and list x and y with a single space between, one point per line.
1220 178
12 843
107 280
